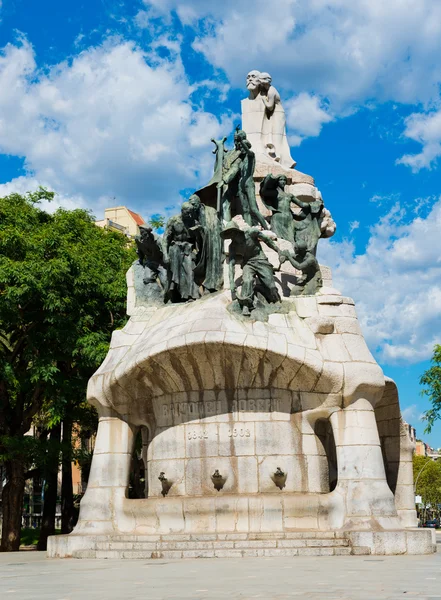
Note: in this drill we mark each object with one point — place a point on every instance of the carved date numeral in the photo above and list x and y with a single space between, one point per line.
239 432
197 435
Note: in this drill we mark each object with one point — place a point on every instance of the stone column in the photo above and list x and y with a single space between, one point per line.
404 491
109 476
361 474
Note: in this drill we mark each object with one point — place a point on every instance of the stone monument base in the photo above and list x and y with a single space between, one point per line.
234 545
259 438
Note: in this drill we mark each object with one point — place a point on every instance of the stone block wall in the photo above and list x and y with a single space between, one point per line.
293 415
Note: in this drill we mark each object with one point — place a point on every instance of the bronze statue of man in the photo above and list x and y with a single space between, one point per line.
182 245
237 182
209 271
150 255
304 260
246 250
307 225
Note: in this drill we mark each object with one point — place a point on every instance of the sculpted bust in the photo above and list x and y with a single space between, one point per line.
253 84
264 121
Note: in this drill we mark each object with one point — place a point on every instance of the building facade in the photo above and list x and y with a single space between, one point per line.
122 219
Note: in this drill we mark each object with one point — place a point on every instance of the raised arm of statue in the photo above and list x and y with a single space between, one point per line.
246 147
302 260
300 203
263 237
285 255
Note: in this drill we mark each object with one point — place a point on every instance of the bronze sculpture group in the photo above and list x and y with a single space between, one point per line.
188 262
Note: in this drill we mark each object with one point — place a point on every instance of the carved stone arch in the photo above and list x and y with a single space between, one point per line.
326 444
397 449
388 417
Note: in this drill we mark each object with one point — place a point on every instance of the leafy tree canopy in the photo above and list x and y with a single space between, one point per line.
431 380
62 292
427 476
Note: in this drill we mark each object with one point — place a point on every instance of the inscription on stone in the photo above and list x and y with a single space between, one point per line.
179 412
197 435
233 432
256 405
236 432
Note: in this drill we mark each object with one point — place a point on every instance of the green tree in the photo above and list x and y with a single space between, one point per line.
157 222
62 292
431 379
427 480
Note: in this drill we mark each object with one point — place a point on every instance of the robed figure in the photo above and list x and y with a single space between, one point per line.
231 189
208 272
182 246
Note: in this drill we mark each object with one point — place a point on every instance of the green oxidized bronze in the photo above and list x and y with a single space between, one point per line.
231 190
293 227
189 262
182 251
305 261
208 272
150 270
257 271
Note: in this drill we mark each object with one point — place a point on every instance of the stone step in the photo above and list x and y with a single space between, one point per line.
213 553
221 546
360 550
210 537
218 544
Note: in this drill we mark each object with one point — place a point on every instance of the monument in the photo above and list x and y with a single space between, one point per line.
267 426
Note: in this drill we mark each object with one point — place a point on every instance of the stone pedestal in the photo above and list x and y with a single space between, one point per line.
258 438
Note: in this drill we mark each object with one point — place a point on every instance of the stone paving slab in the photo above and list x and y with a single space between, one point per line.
31 576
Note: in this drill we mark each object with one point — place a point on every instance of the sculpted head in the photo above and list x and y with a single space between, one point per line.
253 81
282 181
195 201
187 213
145 232
265 80
239 136
301 247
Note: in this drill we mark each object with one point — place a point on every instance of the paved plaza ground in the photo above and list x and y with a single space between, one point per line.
31 576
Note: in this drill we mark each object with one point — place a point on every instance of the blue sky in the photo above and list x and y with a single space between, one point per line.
107 101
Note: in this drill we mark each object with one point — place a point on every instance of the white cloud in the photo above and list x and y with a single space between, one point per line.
113 125
425 129
22 185
353 225
351 53
396 283
381 199
345 50
422 203
305 115
412 413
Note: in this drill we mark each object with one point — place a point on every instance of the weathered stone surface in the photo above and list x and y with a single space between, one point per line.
282 412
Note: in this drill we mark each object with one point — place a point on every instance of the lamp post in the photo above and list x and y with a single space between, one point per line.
419 473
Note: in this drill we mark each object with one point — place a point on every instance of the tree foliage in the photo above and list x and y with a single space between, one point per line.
427 476
431 379
62 292
157 222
